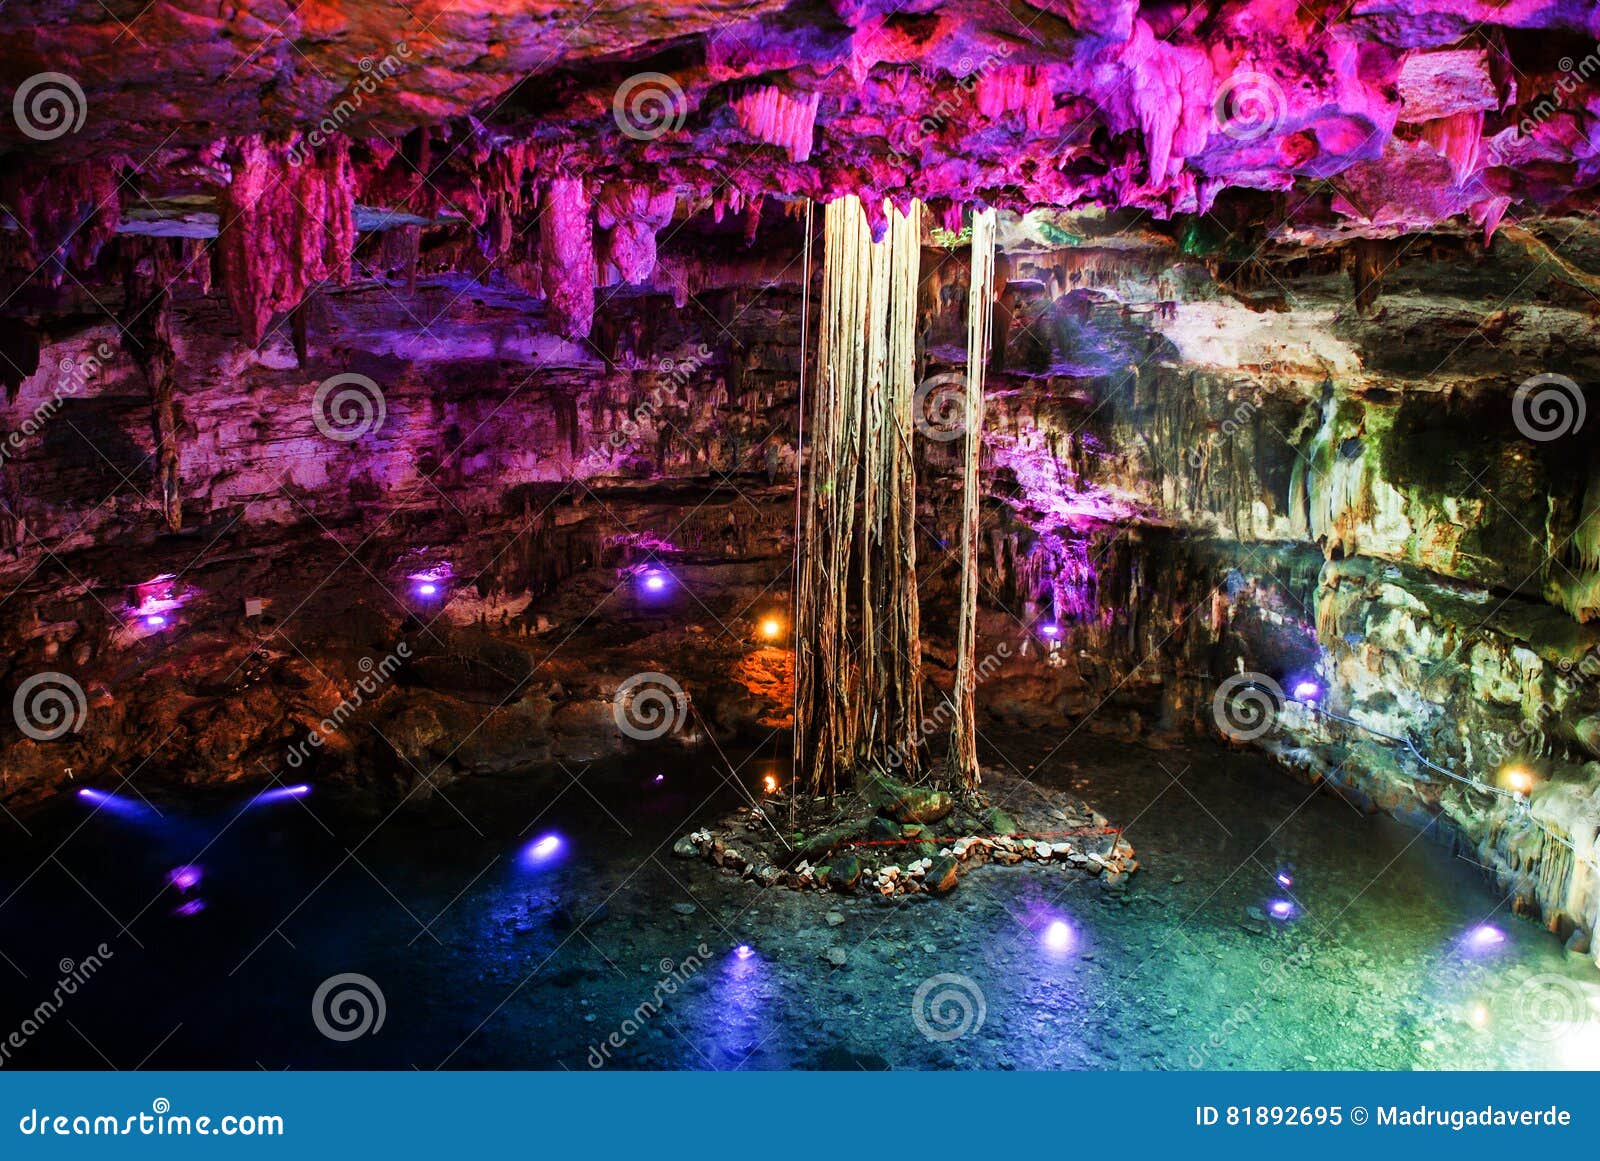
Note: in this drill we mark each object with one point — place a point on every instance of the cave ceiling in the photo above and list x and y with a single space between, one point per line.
1325 120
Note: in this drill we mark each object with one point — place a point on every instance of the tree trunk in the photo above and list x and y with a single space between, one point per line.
962 756
858 649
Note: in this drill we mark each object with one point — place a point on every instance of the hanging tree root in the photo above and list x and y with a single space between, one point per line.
863 845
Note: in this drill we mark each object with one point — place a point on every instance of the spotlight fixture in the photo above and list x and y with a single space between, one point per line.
155 621
280 793
655 580
771 627
1051 630
770 784
1307 691
1484 937
543 849
744 951
1281 909
1058 936
431 583
1520 780
113 803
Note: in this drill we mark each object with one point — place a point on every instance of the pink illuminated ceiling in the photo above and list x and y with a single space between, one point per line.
1386 113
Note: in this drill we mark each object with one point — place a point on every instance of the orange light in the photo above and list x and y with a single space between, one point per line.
1519 780
770 783
771 627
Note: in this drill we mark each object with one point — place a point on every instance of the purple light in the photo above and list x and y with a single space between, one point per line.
1280 909
192 907
659 779
655 581
427 589
1307 691
1058 935
1050 630
1485 936
744 951
542 849
1283 879
155 620
279 793
184 878
113 803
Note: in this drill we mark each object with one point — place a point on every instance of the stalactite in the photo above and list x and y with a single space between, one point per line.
1017 88
1459 137
400 250
19 355
1586 536
1368 259
566 256
288 224
752 219
858 654
147 335
962 757
632 213
65 214
300 331
769 114
196 259
1575 586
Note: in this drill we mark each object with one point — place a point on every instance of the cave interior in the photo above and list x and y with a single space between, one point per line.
1092 504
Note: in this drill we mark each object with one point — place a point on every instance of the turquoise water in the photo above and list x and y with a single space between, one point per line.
601 949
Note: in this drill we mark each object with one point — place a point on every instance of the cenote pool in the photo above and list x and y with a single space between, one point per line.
542 922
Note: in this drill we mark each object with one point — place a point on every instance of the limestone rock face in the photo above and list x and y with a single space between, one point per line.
440 327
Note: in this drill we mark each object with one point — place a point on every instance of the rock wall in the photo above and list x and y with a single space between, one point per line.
1197 465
